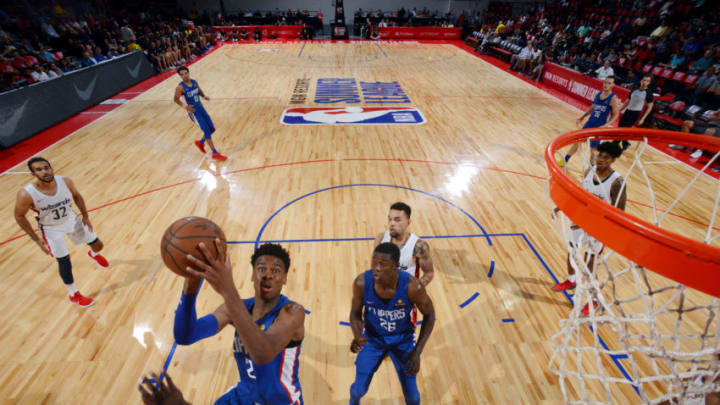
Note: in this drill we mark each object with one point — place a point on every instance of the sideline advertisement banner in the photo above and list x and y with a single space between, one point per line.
278 31
29 110
576 84
420 33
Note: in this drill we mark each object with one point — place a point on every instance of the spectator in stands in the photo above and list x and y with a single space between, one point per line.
45 55
98 56
662 30
698 91
677 60
87 61
38 74
257 34
539 66
243 35
711 127
630 80
65 65
702 63
54 71
518 61
605 71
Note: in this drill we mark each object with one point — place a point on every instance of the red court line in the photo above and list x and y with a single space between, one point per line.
304 162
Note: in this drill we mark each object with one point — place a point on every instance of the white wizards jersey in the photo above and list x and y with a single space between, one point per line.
600 189
407 262
53 210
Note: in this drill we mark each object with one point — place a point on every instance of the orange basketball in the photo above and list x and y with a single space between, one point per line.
182 238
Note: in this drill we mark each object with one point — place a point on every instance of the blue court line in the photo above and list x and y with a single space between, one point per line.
381 50
602 342
506 320
301 49
307 312
274 214
469 300
167 361
343 323
471 235
492 268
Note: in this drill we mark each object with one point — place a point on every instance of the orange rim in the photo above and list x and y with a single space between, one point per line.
684 260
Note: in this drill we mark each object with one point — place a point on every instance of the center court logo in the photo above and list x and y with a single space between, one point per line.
352 116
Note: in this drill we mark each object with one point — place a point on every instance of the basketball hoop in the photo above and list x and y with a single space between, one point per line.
656 290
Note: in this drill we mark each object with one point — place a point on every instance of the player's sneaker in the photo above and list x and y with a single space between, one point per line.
219 156
586 309
100 260
696 154
565 285
80 300
200 146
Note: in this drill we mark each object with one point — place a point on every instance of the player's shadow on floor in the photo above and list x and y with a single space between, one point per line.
528 286
133 271
460 266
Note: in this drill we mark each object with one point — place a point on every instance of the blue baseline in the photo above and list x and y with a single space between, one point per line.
506 320
262 229
492 268
302 49
381 50
602 342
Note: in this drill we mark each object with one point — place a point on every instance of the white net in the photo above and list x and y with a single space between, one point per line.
647 339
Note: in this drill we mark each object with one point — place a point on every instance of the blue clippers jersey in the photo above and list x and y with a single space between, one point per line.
277 382
387 317
192 93
601 110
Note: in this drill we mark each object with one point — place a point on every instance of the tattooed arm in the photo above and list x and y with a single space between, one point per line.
421 256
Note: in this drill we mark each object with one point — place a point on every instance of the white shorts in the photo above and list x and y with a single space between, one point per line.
580 238
78 232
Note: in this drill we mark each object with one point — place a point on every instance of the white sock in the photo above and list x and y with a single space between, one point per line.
71 289
571 278
92 253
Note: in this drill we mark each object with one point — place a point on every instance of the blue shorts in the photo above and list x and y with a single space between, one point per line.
593 144
371 356
202 119
240 394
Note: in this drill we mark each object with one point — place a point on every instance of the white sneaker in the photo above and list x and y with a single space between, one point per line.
696 154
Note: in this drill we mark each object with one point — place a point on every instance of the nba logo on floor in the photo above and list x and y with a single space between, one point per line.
352 116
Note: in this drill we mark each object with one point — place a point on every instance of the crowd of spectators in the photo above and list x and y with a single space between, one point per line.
365 22
39 48
313 24
626 39
676 43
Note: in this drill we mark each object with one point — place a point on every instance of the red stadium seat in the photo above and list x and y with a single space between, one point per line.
666 73
655 71
679 76
691 79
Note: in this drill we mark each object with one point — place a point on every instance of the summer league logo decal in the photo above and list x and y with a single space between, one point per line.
347 91
352 116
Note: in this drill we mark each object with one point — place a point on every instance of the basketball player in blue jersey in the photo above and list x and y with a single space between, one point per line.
603 112
602 181
269 328
51 198
191 90
382 302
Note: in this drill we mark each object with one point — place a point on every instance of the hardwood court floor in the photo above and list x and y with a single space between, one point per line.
474 169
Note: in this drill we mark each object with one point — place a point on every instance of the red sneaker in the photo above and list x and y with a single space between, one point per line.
80 300
100 260
219 156
200 146
586 309
565 285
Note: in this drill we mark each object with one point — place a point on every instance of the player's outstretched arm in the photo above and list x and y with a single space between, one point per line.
356 321
423 260
187 328
262 347
418 296
615 190
23 202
